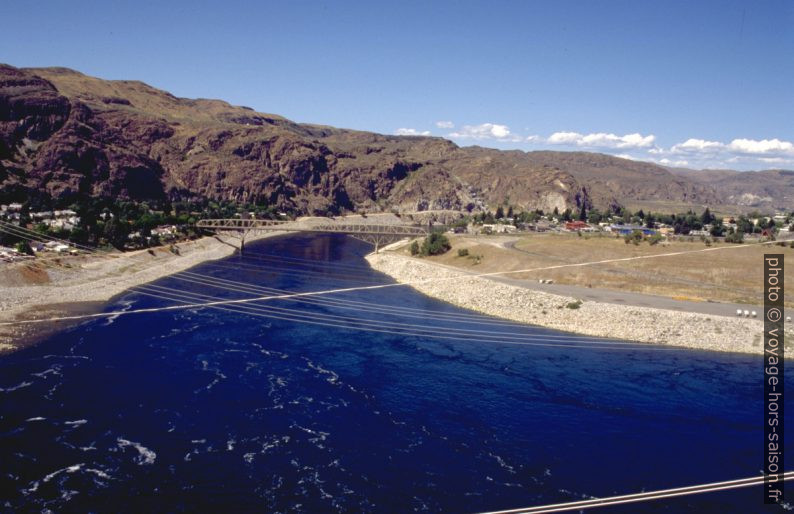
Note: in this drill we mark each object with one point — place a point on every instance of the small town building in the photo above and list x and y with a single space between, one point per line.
576 225
628 229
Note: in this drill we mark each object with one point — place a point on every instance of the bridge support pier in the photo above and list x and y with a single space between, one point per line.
376 235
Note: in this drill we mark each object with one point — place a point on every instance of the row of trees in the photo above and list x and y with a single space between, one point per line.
107 222
682 223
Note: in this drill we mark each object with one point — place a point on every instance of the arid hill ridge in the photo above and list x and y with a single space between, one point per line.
64 134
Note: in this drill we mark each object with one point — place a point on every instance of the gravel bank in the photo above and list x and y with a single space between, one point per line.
658 326
81 285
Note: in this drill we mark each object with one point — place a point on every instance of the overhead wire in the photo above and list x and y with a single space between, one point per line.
382 323
33 234
313 321
644 496
373 287
343 303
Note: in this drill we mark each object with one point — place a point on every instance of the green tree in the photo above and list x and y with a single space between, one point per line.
435 244
594 216
116 232
415 248
79 235
707 217
500 213
717 229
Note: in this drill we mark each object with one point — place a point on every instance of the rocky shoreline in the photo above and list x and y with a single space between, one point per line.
643 324
83 285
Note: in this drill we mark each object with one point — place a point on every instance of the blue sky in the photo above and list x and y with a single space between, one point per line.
699 84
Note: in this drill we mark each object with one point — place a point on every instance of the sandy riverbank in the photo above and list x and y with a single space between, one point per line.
81 285
657 326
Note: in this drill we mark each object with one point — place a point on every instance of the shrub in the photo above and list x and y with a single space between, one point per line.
23 247
574 305
463 252
654 239
635 237
435 244
415 248
736 237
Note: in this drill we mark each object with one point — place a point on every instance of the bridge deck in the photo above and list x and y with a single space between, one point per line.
245 225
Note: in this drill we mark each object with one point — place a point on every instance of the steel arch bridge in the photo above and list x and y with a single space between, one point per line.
373 233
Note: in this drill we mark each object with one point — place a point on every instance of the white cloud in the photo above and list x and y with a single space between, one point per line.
564 138
764 146
486 131
534 139
601 140
445 124
742 152
411 132
668 162
697 145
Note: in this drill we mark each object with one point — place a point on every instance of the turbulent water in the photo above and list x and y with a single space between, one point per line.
207 409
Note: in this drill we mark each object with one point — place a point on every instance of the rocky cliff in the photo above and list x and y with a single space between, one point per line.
64 134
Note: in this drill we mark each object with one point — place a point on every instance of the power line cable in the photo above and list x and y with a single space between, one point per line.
644 496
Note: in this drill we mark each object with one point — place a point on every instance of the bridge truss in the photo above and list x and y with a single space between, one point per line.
373 233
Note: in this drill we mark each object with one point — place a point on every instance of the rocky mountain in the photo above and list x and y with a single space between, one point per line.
64 134
765 190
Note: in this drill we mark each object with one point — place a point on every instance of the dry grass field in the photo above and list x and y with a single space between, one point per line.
725 272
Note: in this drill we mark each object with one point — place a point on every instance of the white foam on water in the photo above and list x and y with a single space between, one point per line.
126 305
99 473
145 455
333 378
69 469
37 418
55 370
14 388
76 423
502 463
275 443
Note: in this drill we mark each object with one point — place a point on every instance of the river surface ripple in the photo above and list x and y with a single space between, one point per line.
209 410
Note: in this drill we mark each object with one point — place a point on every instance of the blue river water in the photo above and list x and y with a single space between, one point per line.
215 410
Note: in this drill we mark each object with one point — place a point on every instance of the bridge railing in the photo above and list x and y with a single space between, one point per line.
338 227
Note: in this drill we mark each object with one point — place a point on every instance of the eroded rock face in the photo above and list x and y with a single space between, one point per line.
30 108
64 134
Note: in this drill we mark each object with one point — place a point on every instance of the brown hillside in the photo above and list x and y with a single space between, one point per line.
65 134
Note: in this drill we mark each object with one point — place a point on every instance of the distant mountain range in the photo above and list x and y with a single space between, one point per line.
64 134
